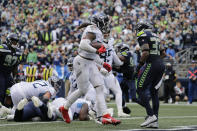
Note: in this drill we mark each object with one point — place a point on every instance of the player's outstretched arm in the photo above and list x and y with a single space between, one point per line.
85 43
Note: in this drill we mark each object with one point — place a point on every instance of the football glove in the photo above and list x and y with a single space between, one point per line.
101 50
104 71
107 67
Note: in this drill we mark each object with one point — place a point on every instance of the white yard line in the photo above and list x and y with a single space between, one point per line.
130 118
27 123
163 104
165 117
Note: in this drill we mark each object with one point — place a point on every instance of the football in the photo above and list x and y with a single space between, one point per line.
96 45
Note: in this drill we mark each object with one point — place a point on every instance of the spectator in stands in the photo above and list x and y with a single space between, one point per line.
192 85
32 56
170 52
31 72
180 92
169 83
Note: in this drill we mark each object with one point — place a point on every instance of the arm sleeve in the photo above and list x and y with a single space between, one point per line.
98 60
85 45
116 60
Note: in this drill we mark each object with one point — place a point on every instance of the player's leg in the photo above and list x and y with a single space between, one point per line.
44 110
16 94
91 94
18 114
97 81
157 80
81 68
143 89
2 88
112 83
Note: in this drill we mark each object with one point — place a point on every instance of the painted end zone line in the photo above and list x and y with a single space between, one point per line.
164 117
131 118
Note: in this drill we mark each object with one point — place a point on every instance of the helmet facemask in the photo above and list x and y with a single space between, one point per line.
12 41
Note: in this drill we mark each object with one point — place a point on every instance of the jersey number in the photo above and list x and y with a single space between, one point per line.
155 46
37 84
10 60
106 55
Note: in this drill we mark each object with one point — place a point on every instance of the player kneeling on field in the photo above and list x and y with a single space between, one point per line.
28 110
26 90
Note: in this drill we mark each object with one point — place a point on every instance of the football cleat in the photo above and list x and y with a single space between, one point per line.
126 110
65 115
22 104
107 119
10 117
50 111
92 114
153 125
36 101
122 114
4 111
149 120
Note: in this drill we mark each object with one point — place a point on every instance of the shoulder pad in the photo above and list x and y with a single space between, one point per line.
140 33
124 53
4 48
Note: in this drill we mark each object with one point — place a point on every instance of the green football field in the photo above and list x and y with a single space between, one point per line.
171 117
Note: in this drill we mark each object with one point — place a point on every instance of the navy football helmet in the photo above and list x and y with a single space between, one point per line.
55 82
144 24
102 21
12 40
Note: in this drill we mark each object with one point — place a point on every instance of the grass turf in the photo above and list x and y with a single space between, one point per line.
170 117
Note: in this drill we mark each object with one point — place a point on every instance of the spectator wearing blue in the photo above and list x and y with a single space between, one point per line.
170 52
192 86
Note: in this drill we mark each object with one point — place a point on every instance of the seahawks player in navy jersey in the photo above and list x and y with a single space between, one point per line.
127 69
10 58
150 71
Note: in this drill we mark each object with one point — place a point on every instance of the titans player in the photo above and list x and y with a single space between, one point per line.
10 58
150 71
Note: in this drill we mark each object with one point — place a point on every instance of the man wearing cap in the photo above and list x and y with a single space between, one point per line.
192 85
169 83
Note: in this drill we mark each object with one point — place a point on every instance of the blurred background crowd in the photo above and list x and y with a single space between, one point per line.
49 35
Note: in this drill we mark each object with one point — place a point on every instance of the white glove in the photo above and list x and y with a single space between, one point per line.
104 71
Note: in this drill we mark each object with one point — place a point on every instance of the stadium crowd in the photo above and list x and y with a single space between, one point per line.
49 35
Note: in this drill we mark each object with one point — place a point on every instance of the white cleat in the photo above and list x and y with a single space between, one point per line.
50 110
22 103
10 117
153 125
122 114
92 114
36 101
149 120
4 111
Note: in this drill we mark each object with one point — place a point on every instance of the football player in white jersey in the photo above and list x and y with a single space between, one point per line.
110 80
78 110
27 90
86 70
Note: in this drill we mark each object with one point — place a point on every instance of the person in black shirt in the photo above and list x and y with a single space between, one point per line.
169 83
127 69
149 72
10 59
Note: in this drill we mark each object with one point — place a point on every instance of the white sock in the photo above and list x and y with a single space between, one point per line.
100 101
72 98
